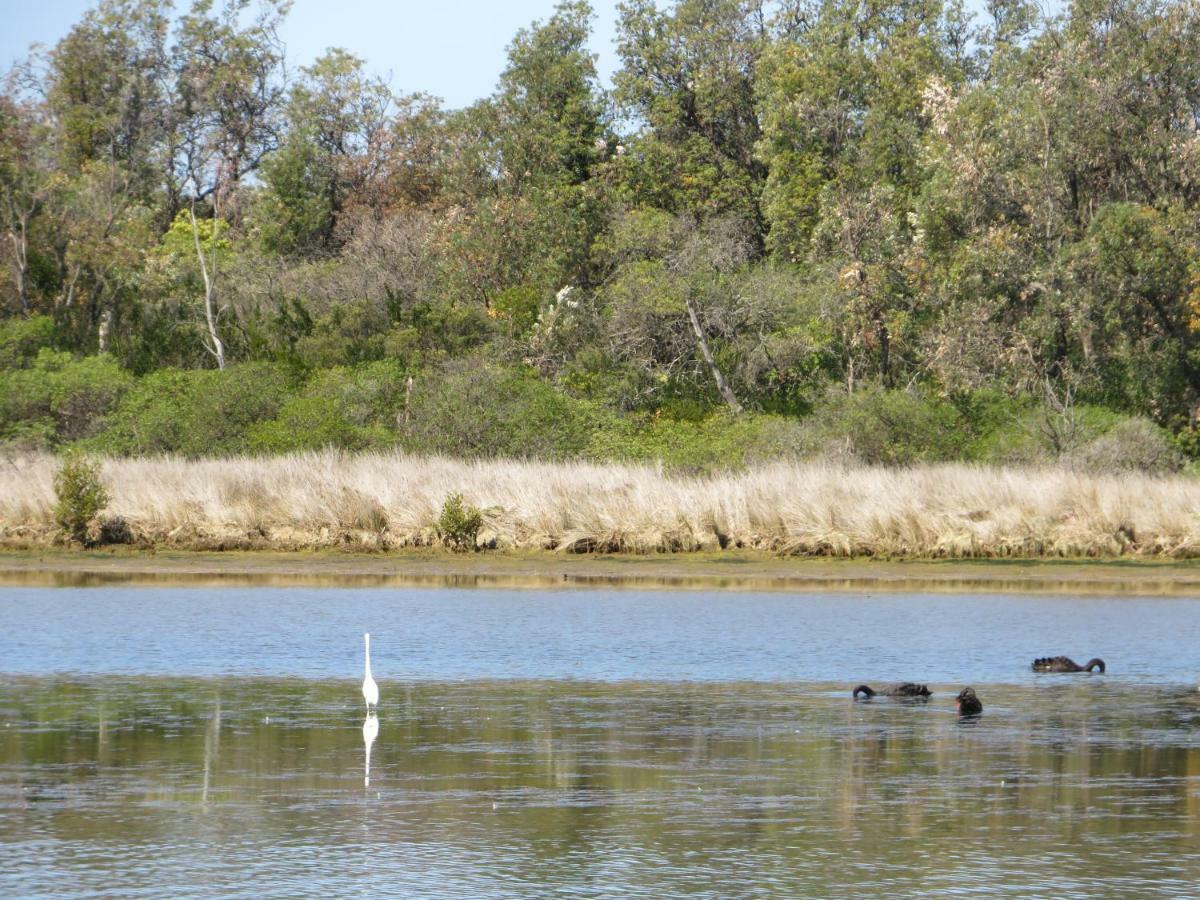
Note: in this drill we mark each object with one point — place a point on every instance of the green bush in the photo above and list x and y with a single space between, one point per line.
476 409
459 523
83 393
1131 445
518 307
25 403
22 338
60 397
350 408
1037 434
349 333
891 428
80 493
716 443
195 413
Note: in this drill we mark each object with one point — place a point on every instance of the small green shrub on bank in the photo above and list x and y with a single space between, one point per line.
459 523
81 494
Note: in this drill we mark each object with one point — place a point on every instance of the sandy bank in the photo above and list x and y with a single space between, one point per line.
748 571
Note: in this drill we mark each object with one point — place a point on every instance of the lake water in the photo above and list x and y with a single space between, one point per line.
210 742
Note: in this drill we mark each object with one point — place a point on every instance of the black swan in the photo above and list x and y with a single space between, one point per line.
967 703
1065 664
908 690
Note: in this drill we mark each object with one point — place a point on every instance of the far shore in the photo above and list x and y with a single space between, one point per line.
390 503
728 570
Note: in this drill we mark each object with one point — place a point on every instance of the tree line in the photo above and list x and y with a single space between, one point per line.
790 217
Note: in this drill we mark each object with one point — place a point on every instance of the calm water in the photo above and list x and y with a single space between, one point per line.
199 742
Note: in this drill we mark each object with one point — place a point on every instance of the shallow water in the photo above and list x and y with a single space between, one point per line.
443 635
210 743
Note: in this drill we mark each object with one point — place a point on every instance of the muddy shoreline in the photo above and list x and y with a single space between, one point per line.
746 571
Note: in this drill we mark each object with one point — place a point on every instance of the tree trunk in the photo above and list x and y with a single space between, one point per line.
884 339
722 386
102 331
20 245
214 346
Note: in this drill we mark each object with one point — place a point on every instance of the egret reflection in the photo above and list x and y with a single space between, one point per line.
370 732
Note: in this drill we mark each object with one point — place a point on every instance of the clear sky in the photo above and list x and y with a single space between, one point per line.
453 49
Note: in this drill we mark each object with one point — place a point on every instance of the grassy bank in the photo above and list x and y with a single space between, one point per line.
391 501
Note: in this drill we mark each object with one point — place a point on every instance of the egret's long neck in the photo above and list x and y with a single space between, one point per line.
367 640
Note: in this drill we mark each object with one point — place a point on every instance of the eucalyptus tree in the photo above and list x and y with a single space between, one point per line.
229 86
686 84
342 134
108 87
27 182
842 96
1059 199
524 207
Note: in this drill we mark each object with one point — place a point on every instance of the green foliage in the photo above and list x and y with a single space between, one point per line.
198 413
294 213
59 398
22 338
887 428
879 230
713 443
80 494
459 523
179 241
518 306
476 409
690 75
1130 273
352 409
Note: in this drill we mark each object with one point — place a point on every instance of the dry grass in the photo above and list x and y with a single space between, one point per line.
380 501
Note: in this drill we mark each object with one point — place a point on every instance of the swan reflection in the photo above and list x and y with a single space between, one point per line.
370 732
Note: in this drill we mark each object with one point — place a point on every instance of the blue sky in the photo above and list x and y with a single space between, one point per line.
453 49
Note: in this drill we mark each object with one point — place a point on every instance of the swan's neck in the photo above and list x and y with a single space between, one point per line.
368 646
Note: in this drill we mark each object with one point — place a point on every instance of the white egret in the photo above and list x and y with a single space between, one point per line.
370 688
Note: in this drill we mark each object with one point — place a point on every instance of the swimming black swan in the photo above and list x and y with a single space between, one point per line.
908 690
967 703
1065 664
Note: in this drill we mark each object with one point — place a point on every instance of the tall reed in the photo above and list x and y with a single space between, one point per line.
381 501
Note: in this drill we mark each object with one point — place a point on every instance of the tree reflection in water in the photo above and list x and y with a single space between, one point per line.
653 788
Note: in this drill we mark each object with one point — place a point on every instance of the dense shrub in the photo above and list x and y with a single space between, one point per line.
80 494
887 428
60 398
22 338
347 334
310 423
196 413
459 523
353 409
715 443
1041 434
1131 445
473 408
